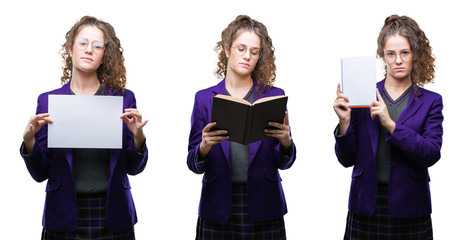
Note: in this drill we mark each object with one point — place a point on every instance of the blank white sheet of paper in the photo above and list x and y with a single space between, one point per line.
85 121
359 80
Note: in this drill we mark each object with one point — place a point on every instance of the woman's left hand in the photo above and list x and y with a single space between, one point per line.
135 124
379 109
282 132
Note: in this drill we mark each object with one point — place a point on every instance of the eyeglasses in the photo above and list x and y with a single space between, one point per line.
97 46
405 55
241 49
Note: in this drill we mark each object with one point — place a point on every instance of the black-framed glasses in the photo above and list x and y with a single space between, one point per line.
241 49
82 44
391 56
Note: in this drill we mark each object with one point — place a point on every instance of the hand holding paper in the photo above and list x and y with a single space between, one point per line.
135 124
35 124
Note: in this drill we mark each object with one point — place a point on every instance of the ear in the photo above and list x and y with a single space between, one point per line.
227 52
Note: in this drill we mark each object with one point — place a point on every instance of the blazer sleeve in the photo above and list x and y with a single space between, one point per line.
345 145
423 147
38 162
135 161
198 122
285 161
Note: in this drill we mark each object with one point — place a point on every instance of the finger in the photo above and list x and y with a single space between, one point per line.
209 126
126 120
343 97
338 89
278 125
144 123
42 122
215 133
342 105
276 132
286 119
42 115
378 95
375 103
132 114
131 110
217 138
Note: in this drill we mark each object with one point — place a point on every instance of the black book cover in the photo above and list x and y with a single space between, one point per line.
245 122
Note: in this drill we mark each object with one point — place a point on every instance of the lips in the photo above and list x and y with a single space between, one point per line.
86 58
245 64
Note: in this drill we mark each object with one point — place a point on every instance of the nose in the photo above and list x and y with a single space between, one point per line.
246 54
89 48
398 59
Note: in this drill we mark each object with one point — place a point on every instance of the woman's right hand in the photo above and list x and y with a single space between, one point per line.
210 138
342 110
35 124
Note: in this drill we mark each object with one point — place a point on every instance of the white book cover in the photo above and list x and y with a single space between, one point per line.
359 80
85 121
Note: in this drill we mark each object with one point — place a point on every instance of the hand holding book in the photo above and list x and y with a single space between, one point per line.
210 138
281 131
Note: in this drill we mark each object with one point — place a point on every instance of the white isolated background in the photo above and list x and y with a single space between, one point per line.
168 47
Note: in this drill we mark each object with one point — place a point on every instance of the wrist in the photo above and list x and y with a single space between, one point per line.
29 145
203 150
343 126
390 126
286 143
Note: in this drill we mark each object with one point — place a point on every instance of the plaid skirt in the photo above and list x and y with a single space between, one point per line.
239 226
91 222
381 226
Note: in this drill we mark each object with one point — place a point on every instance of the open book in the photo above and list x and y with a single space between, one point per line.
246 122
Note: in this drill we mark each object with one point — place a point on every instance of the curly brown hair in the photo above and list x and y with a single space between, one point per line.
111 72
265 70
423 68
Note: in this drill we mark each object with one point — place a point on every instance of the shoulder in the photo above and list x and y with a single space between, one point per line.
60 91
128 94
272 91
429 93
206 93
429 96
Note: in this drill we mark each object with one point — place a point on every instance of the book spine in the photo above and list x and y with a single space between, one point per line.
248 124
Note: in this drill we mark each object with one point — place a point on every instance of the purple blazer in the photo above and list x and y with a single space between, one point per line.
55 164
265 195
415 146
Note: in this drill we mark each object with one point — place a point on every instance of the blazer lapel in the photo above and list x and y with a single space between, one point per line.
253 151
414 105
373 125
113 157
68 154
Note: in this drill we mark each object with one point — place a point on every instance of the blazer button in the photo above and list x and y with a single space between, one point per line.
393 163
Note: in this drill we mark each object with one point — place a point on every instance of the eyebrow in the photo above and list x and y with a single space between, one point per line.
252 48
405 49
